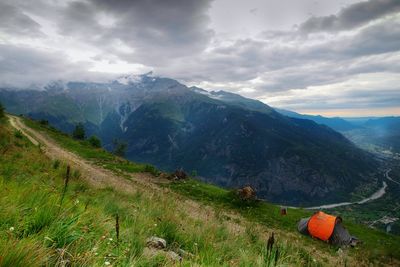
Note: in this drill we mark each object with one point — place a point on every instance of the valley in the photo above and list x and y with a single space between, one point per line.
378 136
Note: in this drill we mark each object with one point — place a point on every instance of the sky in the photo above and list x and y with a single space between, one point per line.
334 58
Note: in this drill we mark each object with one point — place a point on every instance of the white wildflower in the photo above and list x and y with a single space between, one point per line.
107 263
11 229
110 239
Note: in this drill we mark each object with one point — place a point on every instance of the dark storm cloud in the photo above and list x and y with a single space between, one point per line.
14 22
156 30
352 16
80 18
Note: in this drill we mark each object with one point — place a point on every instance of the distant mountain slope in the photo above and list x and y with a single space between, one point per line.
367 132
225 138
338 124
382 132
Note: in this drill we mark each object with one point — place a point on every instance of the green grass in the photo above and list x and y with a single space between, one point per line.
37 229
86 220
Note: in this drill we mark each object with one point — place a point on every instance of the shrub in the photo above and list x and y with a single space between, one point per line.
94 141
151 169
1 111
56 164
119 147
18 134
44 122
79 132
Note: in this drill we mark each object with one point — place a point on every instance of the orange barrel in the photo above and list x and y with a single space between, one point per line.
321 225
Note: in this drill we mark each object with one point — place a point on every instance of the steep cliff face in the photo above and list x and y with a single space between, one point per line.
226 139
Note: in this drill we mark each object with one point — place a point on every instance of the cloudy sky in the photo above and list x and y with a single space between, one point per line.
311 56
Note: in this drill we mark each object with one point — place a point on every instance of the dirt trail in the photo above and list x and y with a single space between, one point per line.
101 178
94 175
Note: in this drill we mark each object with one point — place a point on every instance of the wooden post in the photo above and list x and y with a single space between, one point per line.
283 211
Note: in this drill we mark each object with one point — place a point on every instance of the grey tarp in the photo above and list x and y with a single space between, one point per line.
302 226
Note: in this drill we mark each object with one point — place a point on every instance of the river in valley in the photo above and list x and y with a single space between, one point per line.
378 194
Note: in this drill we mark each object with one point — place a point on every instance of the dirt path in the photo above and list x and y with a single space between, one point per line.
94 175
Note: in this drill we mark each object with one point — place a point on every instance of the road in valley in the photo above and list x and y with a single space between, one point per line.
389 178
378 194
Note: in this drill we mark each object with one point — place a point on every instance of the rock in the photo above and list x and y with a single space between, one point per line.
247 193
156 242
173 256
153 252
179 175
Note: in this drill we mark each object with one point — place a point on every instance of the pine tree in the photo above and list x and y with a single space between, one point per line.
79 132
1 111
95 141
119 147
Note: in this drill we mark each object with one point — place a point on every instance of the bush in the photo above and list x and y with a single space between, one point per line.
1 111
79 132
44 122
94 141
56 164
151 169
119 148
18 134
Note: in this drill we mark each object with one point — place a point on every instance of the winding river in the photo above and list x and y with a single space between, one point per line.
378 194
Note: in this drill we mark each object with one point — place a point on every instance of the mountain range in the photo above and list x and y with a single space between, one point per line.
376 132
219 137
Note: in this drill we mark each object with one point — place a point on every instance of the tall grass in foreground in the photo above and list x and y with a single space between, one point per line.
82 229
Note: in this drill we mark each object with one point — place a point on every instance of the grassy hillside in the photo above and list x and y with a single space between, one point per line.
44 222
